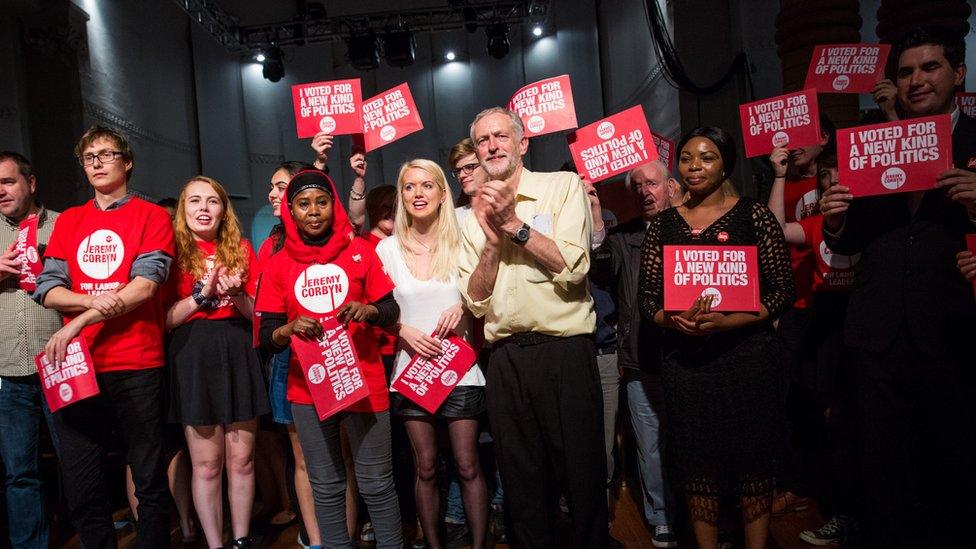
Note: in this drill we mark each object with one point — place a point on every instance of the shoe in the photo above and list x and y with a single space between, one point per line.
366 535
498 525
663 536
834 532
563 506
302 537
788 502
418 543
457 535
245 542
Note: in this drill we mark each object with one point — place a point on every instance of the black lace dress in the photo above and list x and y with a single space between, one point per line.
724 391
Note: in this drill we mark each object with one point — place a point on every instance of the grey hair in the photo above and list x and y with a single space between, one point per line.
514 118
661 166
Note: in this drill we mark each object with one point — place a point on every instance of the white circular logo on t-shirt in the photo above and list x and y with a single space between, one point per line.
605 130
536 124
841 82
316 374
100 254
327 124
322 288
65 392
32 254
387 133
837 261
780 139
716 295
893 178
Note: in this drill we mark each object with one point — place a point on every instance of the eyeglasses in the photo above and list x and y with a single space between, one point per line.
105 157
468 169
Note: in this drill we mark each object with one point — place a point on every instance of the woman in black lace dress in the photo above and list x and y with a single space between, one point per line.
721 371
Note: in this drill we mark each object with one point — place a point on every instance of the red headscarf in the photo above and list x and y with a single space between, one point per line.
297 248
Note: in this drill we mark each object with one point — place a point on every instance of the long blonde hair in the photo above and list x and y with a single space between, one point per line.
230 251
448 236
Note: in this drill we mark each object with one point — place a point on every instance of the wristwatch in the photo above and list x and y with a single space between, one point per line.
521 235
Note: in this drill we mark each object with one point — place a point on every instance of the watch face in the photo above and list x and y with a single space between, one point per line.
522 235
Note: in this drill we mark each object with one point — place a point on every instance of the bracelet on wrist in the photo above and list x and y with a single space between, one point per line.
783 177
353 194
201 300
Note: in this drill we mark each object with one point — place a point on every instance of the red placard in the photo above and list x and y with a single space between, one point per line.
388 116
331 368
545 106
791 120
29 257
429 382
332 107
894 157
665 150
729 273
70 381
847 68
971 245
967 102
613 145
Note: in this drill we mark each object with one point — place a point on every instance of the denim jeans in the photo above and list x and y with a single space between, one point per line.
645 397
278 388
21 406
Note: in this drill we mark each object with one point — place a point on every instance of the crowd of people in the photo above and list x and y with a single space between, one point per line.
850 387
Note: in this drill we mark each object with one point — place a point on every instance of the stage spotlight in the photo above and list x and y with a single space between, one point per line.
497 34
400 48
364 52
260 58
450 56
537 30
274 66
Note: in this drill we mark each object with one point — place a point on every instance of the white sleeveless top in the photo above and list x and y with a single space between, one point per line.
421 304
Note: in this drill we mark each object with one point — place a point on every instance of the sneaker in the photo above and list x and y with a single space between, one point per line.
367 535
663 536
788 502
458 535
498 525
833 533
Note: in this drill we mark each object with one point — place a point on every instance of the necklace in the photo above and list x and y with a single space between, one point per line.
418 241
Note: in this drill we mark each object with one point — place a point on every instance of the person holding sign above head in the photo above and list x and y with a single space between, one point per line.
321 144
217 390
103 266
529 282
324 277
912 316
721 370
421 259
26 328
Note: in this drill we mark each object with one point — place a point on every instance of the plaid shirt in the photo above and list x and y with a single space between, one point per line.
25 326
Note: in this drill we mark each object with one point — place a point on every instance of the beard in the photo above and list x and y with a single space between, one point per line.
503 172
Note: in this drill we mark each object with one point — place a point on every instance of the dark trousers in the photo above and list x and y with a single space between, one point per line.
132 403
546 411
916 415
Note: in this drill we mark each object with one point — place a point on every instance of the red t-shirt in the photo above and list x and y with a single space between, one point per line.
99 248
834 272
355 275
386 338
801 201
226 308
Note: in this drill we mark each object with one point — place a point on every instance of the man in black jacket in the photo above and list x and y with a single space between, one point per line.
615 266
912 317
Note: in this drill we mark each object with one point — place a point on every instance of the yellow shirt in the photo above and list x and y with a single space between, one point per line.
527 297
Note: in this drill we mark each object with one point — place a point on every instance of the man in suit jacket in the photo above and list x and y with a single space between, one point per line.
912 316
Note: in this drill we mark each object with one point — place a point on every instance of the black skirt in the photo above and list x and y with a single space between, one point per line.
216 374
465 401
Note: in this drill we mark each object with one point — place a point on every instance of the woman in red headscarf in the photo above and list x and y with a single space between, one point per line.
323 276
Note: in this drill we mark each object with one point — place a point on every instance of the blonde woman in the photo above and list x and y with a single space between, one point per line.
217 389
421 258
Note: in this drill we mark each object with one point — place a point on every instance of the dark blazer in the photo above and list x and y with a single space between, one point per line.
615 265
907 276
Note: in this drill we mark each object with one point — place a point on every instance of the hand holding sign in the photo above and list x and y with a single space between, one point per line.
321 143
420 343
331 366
960 185
354 311
729 274
885 95
69 380
966 261
834 204
304 326
428 381
56 347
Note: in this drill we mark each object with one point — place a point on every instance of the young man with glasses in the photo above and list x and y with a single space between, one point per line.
104 264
